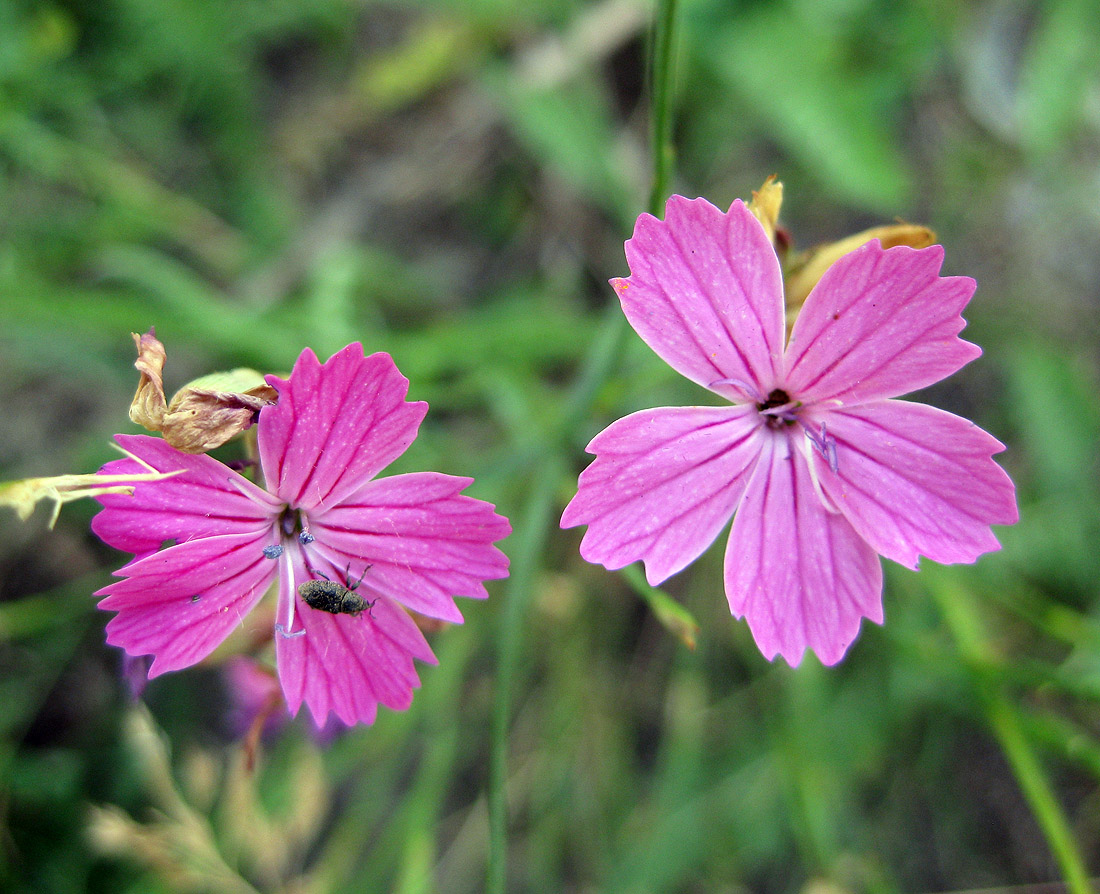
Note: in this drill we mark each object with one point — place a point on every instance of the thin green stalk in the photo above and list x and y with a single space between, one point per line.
676 619
664 39
533 531
1004 719
534 526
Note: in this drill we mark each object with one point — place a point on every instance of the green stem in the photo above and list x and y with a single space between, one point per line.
1004 719
534 532
536 519
676 619
664 39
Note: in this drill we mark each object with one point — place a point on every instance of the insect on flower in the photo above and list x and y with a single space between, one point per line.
335 598
321 446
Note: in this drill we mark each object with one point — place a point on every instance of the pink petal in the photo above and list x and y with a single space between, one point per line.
423 541
335 426
801 576
180 603
208 498
663 485
348 665
914 480
706 293
881 322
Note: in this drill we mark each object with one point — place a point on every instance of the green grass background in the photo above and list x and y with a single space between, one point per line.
452 182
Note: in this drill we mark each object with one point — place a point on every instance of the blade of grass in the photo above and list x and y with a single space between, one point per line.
533 526
537 512
957 605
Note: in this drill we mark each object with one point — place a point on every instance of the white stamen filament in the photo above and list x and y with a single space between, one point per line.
256 494
786 411
286 573
751 393
804 445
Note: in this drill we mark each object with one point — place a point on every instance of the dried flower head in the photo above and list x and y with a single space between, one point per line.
203 414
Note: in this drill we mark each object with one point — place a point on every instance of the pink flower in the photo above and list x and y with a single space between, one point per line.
413 540
820 468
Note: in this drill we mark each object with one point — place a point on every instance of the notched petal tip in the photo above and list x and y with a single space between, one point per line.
705 292
336 425
24 495
426 542
808 267
346 666
663 485
198 497
881 323
181 603
801 577
919 481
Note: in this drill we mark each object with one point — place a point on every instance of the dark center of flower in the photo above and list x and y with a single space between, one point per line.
778 409
288 521
292 522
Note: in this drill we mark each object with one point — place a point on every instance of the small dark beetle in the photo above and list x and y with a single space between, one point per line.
335 598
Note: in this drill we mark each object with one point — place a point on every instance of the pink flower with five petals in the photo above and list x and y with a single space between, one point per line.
821 468
414 540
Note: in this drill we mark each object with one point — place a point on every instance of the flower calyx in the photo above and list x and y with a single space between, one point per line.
802 270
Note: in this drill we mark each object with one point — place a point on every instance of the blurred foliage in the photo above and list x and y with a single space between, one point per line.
452 182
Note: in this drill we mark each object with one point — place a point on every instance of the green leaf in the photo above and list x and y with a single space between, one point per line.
1060 68
826 111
